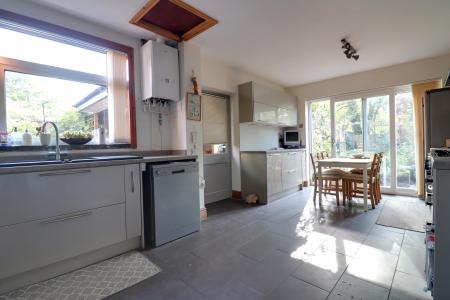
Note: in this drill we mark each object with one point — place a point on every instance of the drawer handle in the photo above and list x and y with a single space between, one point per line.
66 218
178 171
291 171
132 181
65 173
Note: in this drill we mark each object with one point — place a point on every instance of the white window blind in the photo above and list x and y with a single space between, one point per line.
215 120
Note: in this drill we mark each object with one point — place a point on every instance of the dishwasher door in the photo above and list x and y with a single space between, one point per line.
175 201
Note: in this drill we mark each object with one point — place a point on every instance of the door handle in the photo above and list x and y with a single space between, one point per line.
178 171
66 218
132 181
65 173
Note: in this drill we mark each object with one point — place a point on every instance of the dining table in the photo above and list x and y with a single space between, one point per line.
350 163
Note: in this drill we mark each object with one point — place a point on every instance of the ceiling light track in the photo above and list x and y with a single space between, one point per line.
349 51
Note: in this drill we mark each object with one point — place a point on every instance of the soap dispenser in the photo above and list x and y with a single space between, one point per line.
27 139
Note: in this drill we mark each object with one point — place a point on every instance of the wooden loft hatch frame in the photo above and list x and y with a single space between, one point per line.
173 19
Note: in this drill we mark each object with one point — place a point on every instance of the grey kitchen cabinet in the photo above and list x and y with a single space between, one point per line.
260 104
133 200
274 174
290 169
48 217
271 175
32 196
35 244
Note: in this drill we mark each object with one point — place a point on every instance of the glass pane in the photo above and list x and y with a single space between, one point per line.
378 133
39 50
406 152
320 126
348 127
31 100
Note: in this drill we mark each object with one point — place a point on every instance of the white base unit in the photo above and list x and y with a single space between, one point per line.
31 245
272 175
50 217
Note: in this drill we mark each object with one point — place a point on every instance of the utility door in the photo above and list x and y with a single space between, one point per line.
216 147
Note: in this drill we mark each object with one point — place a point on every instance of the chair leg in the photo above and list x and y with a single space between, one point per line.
315 191
337 191
372 197
344 191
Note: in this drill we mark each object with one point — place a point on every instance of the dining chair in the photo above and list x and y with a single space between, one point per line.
331 179
377 177
352 183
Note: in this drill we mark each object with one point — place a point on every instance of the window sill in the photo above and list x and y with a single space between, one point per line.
4 148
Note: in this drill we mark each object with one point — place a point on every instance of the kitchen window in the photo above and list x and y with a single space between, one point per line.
80 82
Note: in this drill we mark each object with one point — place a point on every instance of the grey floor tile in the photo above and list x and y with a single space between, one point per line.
385 244
412 260
304 246
414 238
408 287
267 275
237 290
293 288
253 252
345 241
161 286
264 244
323 269
352 288
373 265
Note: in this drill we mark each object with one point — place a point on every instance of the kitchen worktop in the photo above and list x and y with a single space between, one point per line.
94 163
273 150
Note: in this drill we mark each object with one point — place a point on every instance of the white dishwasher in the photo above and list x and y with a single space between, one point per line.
173 204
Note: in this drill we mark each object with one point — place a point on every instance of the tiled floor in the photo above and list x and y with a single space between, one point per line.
288 250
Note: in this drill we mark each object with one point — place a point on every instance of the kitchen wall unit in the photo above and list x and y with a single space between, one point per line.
272 174
266 106
52 216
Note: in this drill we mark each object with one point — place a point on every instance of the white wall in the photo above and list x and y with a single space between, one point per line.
402 74
143 120
218 77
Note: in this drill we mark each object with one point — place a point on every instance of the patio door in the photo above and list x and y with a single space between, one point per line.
367 123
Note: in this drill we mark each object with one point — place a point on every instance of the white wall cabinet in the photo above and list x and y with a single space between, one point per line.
272 175
47 217
260 104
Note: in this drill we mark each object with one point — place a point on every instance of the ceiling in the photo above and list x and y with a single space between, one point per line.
294 42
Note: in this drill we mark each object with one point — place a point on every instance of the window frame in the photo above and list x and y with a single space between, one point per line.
71 37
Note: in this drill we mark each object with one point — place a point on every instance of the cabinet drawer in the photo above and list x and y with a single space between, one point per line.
35 244
32 196
290 178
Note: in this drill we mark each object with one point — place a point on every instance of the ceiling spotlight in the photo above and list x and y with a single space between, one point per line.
349 51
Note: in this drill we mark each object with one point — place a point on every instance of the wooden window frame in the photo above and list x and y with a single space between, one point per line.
84 37
203 26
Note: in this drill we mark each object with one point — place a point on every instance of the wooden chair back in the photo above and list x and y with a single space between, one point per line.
314 164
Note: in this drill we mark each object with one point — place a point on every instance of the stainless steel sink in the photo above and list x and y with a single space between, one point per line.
65 161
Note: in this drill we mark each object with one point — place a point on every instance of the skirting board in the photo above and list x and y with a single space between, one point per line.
56 269
203 214
236 195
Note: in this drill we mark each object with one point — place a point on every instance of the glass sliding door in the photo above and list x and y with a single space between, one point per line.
348 127
320 126
404 140
370 123
377 133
